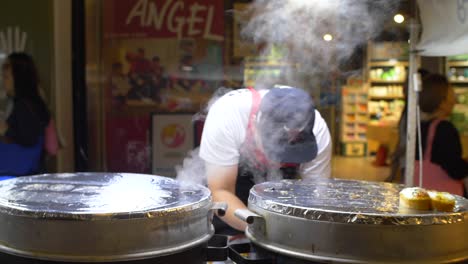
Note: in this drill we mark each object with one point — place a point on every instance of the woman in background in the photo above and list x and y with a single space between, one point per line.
436 102
22 135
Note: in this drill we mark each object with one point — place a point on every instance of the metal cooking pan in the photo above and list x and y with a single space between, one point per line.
327 220
102 217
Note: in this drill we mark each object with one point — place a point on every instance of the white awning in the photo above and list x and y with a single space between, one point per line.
444 27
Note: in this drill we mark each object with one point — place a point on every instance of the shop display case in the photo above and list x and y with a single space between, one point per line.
460 111
354 120
457 67
457 72
387 67
264 68
269 66
387 70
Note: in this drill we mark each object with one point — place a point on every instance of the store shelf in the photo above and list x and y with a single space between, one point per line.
383 123
459 117
459 81
373 97
387 71
354 115
387 63
386 81
457 63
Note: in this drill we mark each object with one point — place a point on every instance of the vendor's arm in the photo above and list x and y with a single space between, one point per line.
223 134
222 184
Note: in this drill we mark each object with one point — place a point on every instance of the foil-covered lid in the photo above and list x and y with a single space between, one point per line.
346 201
99 196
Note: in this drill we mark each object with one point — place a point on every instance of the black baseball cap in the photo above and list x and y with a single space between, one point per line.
285 122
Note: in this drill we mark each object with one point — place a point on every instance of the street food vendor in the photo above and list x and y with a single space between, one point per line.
252 136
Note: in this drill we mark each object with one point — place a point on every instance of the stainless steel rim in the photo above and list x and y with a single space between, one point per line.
296 254
113 258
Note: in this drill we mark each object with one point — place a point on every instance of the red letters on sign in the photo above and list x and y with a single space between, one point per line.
164 19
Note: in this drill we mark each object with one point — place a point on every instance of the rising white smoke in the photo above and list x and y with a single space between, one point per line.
299 26
193 167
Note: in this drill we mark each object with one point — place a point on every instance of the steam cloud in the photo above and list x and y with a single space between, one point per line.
193 167
299 27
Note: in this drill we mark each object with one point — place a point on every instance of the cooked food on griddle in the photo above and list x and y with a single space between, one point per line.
442 201
415 198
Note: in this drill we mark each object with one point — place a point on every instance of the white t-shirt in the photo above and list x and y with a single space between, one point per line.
226 127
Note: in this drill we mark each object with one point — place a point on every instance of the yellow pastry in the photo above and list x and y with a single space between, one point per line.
415 198
442 201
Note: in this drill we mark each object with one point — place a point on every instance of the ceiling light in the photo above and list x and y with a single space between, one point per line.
327 37
399 18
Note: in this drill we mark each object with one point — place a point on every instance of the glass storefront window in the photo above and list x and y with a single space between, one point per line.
146 57
149 58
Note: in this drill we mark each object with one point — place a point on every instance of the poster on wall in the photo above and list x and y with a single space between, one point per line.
163 54
172 138
158 56
128 144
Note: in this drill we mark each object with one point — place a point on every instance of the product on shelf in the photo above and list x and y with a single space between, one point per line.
395 73
459 115
386 91
458 74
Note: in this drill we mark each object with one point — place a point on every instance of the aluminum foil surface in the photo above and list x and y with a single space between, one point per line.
345 201
99 196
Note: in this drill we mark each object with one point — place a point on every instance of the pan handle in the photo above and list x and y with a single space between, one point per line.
256 222
247 216
220 208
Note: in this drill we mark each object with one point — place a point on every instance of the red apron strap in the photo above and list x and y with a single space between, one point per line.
430 139
253 112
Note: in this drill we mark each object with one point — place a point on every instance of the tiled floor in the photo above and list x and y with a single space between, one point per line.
358 169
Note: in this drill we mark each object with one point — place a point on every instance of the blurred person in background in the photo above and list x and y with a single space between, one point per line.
444 167
22 135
